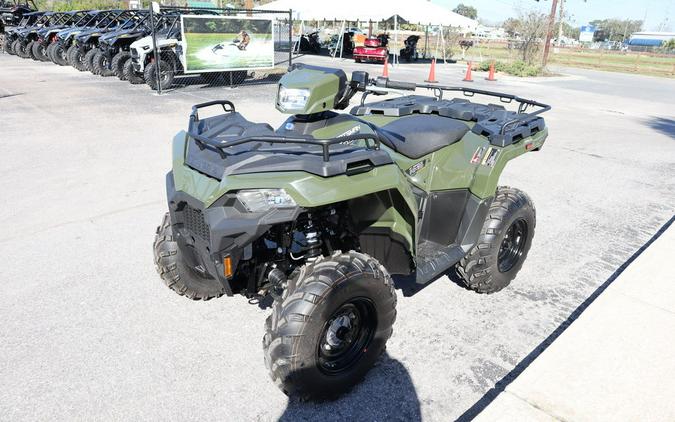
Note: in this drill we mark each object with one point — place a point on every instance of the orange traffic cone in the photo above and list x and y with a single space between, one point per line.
432 72
385 71
491 75
467 77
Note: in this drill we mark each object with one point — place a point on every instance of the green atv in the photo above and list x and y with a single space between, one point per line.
313 217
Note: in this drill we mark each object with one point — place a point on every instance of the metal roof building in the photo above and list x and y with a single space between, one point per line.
650 39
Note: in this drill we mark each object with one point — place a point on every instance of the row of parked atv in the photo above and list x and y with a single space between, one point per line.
109 43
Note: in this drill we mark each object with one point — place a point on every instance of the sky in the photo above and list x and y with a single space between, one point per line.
660 14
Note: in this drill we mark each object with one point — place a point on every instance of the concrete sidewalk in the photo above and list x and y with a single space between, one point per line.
615 362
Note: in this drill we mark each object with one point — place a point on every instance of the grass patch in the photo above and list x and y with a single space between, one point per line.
516 68
655 64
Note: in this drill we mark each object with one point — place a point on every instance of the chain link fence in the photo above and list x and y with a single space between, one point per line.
656 62
215 47
174 47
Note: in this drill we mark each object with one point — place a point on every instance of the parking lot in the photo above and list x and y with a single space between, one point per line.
90 332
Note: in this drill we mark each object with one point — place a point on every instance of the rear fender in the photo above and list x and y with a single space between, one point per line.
493 160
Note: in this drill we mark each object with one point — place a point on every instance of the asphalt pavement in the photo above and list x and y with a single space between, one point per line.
90 332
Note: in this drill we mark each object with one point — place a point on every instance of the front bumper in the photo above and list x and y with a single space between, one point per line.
366 53
136 61
206 235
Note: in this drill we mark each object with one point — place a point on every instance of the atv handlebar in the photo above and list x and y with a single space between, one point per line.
387 83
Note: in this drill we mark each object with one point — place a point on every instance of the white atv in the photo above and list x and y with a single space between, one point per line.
143 66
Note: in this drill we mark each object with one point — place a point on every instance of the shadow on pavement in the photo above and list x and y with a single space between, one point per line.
501 385
387 393
407 285
663 125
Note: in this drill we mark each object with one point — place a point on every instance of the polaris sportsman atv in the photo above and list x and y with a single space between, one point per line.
318 213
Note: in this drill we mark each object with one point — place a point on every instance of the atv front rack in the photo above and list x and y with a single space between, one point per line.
372 140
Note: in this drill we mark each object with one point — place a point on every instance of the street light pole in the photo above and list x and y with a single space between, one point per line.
560 25
154 8
549 31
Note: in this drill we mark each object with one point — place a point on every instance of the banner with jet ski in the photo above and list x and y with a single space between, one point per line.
226 43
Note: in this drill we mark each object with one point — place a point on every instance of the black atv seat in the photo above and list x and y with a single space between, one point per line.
418 135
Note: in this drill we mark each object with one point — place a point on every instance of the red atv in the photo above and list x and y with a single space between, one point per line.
374 49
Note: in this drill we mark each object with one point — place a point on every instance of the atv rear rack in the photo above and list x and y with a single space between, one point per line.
523 104
325 144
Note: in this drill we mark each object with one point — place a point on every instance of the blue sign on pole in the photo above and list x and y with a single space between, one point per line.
586 33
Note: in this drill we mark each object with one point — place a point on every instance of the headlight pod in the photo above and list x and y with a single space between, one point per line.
258 200
293 98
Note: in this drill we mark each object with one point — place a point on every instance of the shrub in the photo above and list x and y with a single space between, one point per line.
517 68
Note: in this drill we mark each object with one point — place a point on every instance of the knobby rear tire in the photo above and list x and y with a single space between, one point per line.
88 60
101 66
150 75
117 64
130 75
59 55
479 269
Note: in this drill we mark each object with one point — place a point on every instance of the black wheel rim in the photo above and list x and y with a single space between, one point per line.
346 336
165 76
513 245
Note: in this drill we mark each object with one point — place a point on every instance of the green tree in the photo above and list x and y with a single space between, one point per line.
68 5
511 26
570 31
468 11
530 29
668 45
617 29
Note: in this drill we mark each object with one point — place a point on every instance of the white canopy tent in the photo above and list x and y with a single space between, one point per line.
413 11
421 12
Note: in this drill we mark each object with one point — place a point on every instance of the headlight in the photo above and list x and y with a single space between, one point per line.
293 98
257 200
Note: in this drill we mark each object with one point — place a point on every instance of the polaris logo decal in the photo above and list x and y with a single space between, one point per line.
416 168
352 131
490 157
475 159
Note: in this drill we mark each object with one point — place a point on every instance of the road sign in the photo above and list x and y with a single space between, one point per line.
586 33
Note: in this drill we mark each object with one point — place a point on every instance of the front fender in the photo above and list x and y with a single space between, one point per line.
306 189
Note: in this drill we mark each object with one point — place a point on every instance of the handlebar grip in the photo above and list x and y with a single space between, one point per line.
408 86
